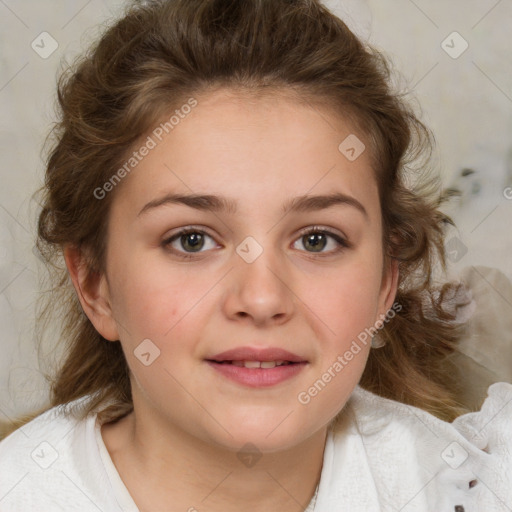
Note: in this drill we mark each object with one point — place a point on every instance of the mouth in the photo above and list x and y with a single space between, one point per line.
269 355
256 367
265 365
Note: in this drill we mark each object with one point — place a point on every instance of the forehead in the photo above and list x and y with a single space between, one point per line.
254 147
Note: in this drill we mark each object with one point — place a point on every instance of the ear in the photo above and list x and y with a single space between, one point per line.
93 293
389 285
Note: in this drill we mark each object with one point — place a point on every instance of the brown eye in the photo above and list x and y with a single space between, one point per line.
192 242
316 240
189 241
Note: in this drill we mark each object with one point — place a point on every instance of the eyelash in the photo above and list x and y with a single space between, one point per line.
343 243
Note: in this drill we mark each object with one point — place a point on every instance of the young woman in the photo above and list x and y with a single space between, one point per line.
250 315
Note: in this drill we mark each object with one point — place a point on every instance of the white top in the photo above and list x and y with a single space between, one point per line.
384 456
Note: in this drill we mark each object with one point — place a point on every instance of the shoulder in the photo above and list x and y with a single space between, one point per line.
53 424
419 462
42 464
491 426
374 414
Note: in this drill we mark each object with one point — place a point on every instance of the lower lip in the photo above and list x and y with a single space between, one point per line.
258 377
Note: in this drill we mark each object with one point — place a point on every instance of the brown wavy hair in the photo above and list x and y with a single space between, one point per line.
161 52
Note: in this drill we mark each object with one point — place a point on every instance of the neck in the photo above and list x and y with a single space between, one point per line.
162 465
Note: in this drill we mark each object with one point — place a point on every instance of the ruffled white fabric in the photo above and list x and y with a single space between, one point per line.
387 456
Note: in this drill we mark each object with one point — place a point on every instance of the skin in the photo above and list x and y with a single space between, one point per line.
189 422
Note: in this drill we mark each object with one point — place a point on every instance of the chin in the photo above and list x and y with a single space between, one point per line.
267 436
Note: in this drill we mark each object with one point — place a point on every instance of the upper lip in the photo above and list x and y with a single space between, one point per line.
257 354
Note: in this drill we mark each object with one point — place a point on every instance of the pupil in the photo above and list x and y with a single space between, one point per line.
192 240
316 241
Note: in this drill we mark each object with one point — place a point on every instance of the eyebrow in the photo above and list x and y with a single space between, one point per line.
213 203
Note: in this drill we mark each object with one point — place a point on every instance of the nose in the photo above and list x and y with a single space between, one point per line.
259 292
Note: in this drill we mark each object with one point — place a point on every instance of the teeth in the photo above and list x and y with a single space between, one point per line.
258 364
252 364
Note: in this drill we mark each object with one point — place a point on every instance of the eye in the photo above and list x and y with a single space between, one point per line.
189 240
316 239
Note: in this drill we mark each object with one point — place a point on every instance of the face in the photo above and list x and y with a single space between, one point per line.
260 274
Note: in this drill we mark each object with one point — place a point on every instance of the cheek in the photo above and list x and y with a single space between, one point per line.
151 301
347 300
148 308
156 313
